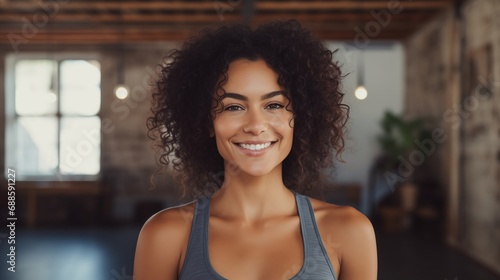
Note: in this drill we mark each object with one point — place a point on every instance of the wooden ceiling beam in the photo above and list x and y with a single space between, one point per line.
110 21
214 5
118 5
86 37
127 30
128 18
211 18
349 5
110 36
107 39
349 17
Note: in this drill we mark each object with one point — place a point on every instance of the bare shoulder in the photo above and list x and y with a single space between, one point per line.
349 237
162 242
340 218
170 220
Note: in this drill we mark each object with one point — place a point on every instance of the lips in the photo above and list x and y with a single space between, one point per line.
255 147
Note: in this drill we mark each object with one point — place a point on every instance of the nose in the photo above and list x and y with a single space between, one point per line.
256 122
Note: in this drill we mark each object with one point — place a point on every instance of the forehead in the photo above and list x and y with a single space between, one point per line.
248 76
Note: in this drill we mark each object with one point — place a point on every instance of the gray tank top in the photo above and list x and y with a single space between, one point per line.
316 264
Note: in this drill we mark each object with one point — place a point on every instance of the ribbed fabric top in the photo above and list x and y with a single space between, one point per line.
316 264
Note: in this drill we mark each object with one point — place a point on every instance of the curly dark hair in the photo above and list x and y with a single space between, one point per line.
183 96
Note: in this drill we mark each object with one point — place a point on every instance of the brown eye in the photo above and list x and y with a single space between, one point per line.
275 106
233 108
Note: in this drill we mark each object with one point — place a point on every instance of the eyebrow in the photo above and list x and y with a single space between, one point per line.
244 98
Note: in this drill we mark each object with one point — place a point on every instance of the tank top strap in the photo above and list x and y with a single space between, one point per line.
318 262
195 263
306 223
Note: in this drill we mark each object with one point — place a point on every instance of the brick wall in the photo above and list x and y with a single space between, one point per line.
455 84
127 158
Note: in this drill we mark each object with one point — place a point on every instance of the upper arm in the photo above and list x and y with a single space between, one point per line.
159 246
359 250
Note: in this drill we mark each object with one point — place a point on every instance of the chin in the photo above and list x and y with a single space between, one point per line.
256 171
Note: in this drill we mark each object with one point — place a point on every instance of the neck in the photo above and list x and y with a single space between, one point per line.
249 199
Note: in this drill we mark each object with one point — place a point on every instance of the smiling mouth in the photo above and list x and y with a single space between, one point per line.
255 147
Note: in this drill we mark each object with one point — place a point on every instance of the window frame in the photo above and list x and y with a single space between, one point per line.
11 116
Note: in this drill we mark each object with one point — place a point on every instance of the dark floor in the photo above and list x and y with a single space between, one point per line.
107 254
412 256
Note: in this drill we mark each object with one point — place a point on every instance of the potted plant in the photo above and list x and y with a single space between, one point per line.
397 141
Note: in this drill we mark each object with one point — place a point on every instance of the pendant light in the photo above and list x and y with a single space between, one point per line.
361 93
121 89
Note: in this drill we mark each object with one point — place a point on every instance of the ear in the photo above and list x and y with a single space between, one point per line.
211 132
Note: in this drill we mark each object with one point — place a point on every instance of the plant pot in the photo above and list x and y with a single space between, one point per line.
408 193
393 218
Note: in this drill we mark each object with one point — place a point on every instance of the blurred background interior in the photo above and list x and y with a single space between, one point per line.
422 158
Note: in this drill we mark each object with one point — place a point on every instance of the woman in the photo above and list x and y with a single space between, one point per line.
251 116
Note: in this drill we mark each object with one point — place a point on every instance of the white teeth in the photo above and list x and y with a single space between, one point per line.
255 147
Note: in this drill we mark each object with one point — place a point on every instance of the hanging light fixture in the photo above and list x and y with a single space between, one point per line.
121 89
361 93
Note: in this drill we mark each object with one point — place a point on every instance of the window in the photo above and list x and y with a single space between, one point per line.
53 127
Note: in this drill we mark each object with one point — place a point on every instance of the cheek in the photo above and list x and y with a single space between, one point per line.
283 122
220 133
224 129
224 126
221 136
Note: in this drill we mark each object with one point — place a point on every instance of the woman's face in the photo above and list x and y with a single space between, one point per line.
253 129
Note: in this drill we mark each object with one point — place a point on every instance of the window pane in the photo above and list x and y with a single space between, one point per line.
36 146
80 145
35 84
80 87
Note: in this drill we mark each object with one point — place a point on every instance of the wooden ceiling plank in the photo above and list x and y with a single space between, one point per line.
128 18
105 5
329 17
210 18
103 21
211 5
347 5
